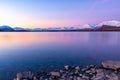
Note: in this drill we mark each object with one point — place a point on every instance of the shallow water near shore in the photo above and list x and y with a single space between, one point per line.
48 51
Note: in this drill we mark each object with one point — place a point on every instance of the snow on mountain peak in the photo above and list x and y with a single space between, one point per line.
109 23
89 26
86 26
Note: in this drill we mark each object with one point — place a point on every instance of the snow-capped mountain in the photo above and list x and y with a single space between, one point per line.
6 28
104 26
112 23
88 26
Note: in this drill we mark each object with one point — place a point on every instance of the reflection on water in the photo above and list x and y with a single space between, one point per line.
47 51
107 38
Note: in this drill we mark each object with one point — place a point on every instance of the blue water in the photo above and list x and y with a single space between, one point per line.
46 51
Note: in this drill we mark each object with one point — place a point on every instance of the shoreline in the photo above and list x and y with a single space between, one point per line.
109 70
69 31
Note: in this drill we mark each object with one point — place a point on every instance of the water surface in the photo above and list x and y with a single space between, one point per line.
52 50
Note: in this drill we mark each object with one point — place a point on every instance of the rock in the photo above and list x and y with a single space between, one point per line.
76 73
100 75
91 71
92 66
19 76
84 69
71 77
80 75
77 68
115 65
100 72
14 79
85 77
87 67
66 67
62 79
61 71
78 78
110 71
87 72
112 76
56 74
98 78
115 72
28 74
34 78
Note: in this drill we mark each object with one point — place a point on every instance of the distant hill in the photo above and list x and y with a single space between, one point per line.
6 28
103 26
19 29
108 26
112 23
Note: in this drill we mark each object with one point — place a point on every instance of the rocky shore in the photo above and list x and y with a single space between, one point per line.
109 70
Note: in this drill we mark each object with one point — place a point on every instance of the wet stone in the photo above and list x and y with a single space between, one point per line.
115 65
90 72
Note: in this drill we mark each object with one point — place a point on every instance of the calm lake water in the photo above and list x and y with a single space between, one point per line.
48 51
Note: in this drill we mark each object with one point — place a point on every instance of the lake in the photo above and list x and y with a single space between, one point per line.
48 51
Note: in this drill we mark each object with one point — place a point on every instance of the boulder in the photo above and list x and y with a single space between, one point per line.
19 76
66 67
99 76
77 68
115 65
112 76
57 74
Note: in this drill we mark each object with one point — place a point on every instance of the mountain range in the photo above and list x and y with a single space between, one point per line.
103 26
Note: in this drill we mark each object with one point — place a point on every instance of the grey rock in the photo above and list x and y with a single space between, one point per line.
57 74
112 76
100 75
115 65
77 68
66 67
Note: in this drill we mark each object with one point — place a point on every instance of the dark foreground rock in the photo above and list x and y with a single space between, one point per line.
110 70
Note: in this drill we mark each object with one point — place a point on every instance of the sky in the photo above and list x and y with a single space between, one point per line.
57 13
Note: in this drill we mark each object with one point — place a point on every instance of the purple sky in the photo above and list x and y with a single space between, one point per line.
57 13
